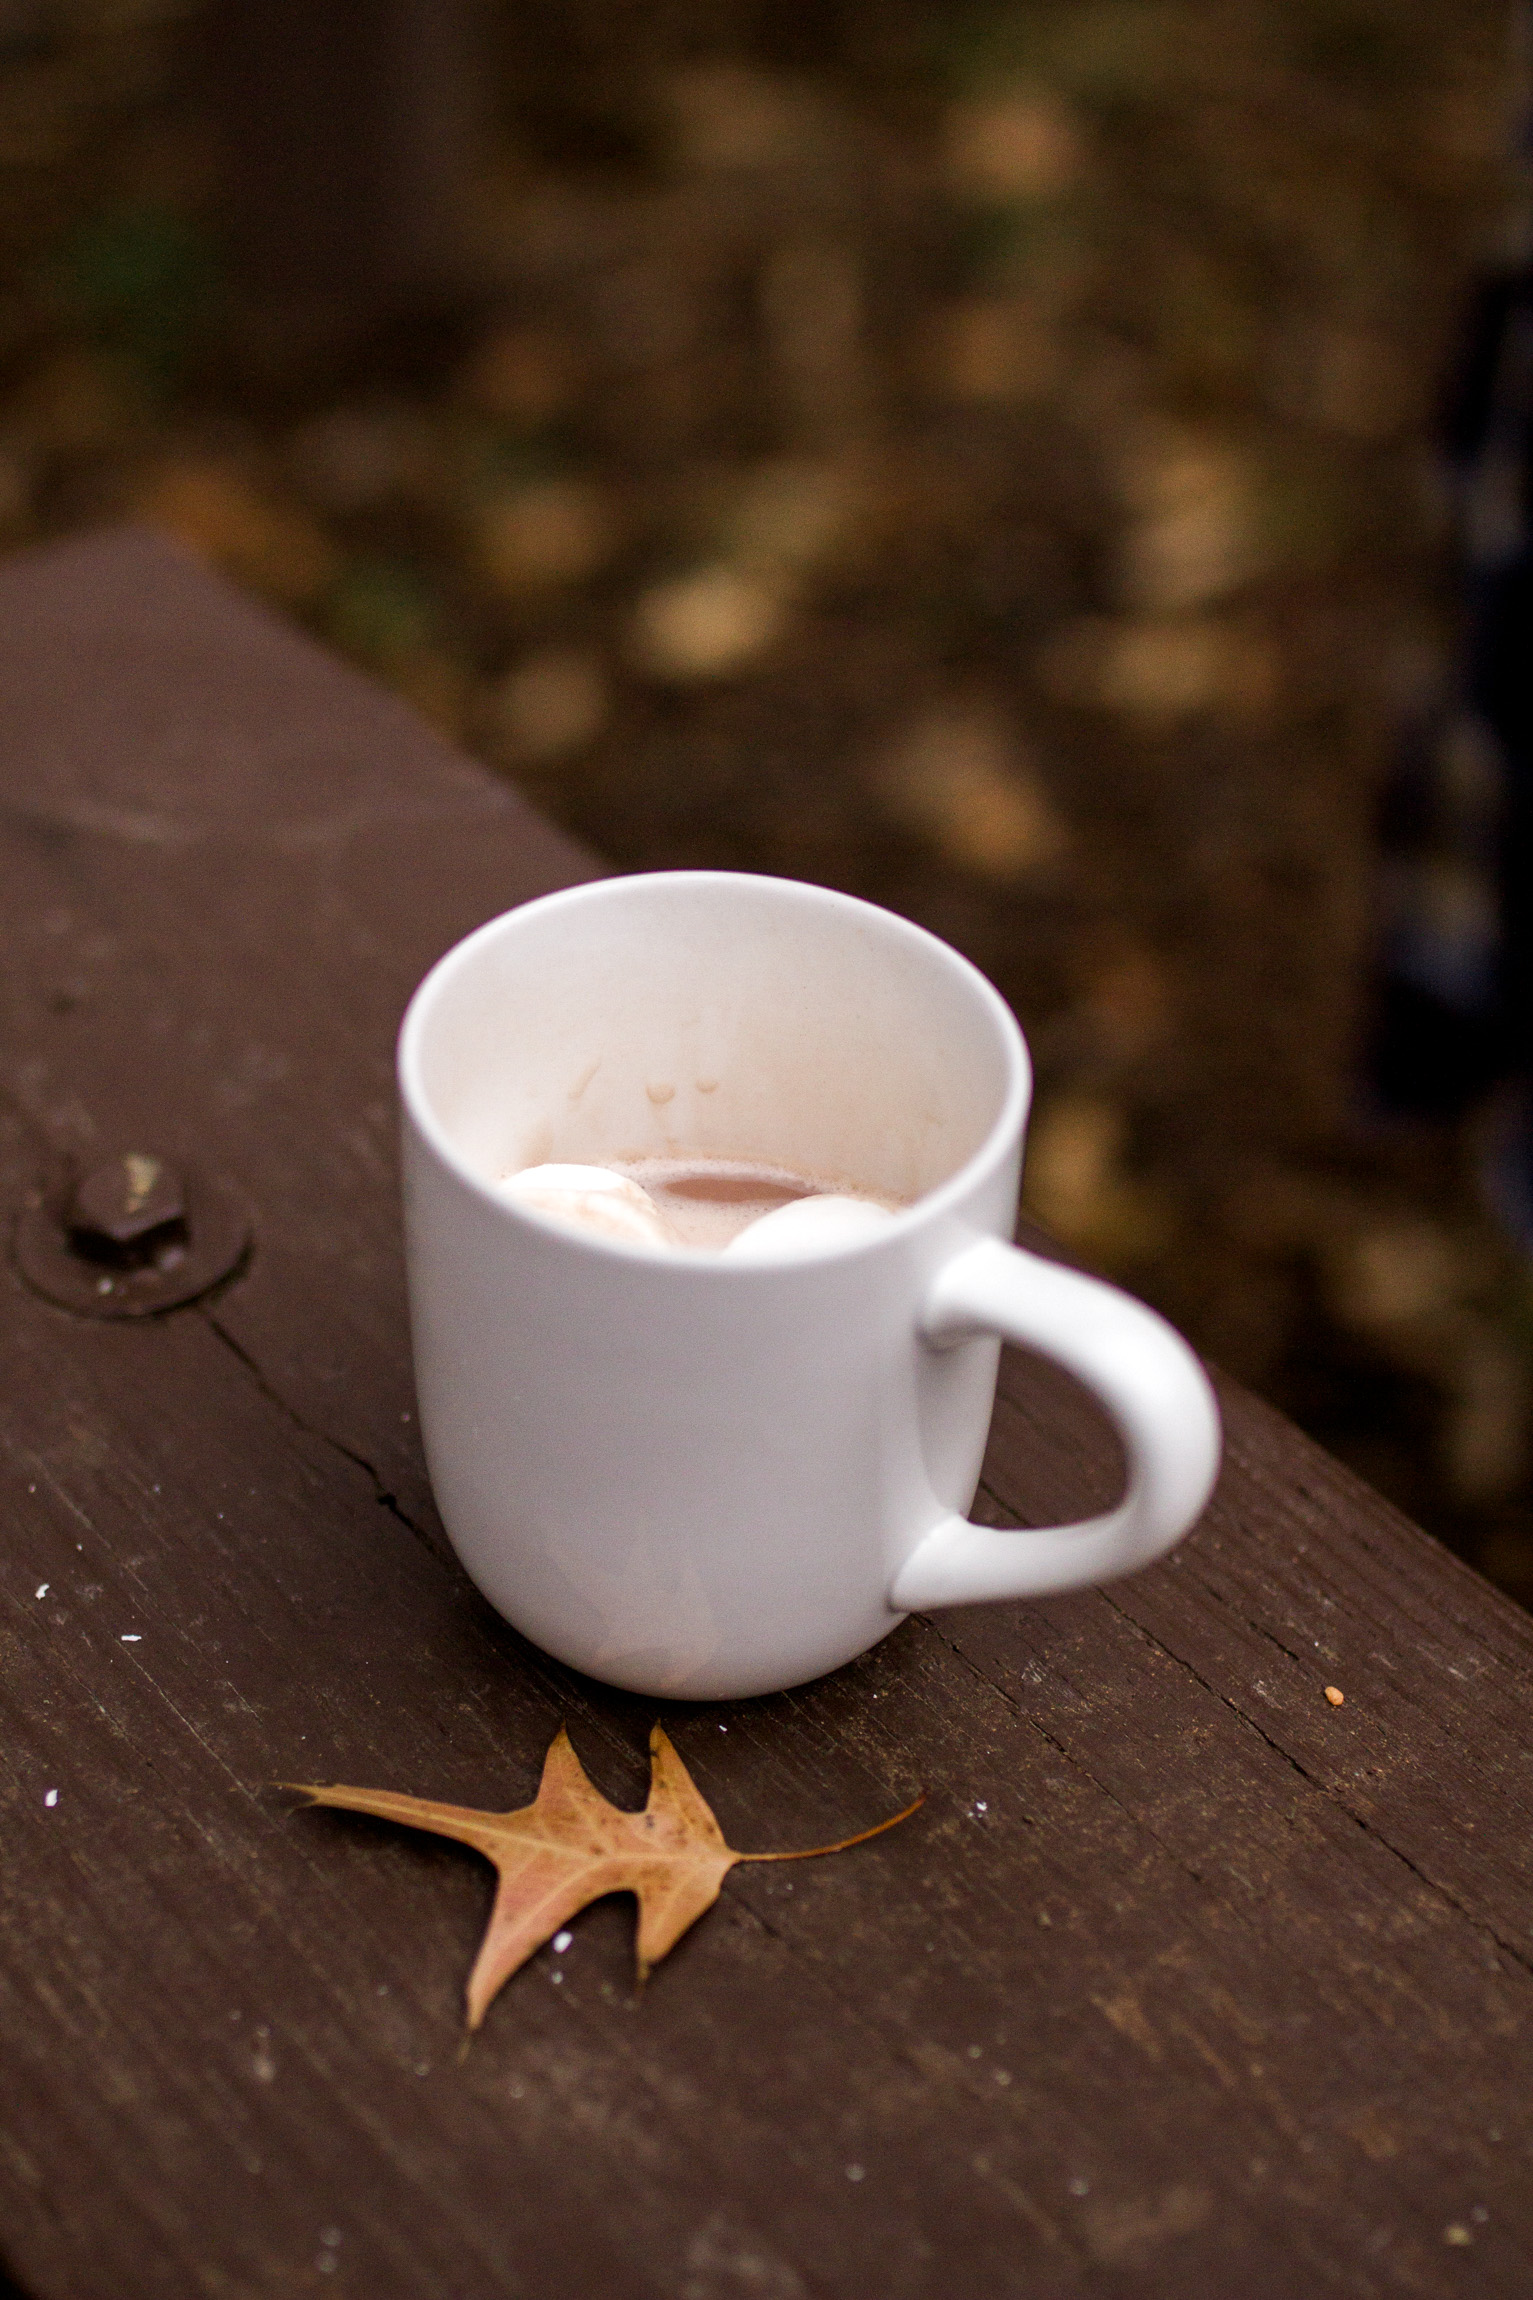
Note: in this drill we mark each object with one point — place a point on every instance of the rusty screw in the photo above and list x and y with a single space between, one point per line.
129 1212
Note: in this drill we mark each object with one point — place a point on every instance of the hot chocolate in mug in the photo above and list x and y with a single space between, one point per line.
691 1474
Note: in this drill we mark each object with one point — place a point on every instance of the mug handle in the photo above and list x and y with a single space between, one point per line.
1153 1388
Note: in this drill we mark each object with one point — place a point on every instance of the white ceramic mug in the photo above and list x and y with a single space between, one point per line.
704 1478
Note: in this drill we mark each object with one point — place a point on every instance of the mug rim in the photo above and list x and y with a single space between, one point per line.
1005 1131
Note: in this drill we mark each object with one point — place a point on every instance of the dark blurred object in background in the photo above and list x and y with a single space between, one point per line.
350 134
1493 445
1454 1014
978 456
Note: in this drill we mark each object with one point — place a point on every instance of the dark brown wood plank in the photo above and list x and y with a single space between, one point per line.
1182 1982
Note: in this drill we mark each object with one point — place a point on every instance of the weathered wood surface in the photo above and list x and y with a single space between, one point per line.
1184 1982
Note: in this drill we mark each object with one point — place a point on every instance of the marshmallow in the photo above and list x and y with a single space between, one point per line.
806 1226
591 1198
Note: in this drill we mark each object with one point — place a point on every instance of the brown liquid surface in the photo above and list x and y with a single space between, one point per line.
708 1201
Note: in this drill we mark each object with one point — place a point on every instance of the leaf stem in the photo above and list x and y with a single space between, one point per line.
813 1852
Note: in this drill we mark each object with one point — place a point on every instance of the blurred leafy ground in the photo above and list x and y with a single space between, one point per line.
972 456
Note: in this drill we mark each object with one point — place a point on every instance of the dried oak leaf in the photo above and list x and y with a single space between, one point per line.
570 1846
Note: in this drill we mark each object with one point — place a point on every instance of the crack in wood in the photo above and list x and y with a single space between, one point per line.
285 1406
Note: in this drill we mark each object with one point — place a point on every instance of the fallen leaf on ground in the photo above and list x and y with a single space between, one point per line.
962 778
213 507
710 624
570 1847
1022 145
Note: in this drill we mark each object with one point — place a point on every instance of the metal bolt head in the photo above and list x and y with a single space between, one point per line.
135 1238
128 1209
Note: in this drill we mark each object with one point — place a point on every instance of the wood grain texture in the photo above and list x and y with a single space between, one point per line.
1183 1982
